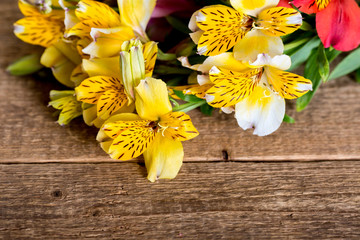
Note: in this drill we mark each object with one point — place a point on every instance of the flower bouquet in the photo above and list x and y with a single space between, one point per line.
133 68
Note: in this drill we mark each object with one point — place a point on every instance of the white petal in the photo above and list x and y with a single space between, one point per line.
281 62
263 110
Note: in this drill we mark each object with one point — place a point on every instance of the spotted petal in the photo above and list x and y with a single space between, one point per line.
230 87
223 27
288 85
111 101
311 6
177 126
98 12
38 30
91 89
132 139
279 21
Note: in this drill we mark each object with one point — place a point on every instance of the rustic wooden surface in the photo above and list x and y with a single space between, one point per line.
55 182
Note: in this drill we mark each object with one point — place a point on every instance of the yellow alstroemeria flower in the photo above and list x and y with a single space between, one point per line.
103 30
251 27
156 132
258 93
113 89
39 27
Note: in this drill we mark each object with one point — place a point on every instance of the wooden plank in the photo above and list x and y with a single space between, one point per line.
328 129
231 200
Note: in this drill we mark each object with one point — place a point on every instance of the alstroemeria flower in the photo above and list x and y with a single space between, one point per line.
156 132
111 92
105 30
251 27
258 93
337 21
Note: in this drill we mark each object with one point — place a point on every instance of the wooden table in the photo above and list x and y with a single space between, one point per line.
56 182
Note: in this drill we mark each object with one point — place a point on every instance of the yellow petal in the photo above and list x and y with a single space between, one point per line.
152 100
163 158
132 139
78 75
38 30
254 43
136 14
197 90
253 7
107 42
111 101
223 27
224 60
27 9
150 50
102 67
91 89
97 11
279 21
288 85
177 126
231 87
322 4
67 103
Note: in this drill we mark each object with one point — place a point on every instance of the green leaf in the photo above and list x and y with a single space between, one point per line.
165 56
311 72
187 97
26 65
189 106
357 75
324 67
288 119
206 109
303 53
349 64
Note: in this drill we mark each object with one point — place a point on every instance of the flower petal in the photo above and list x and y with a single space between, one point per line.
256 42
102 67
152 100
339 25
177 126
98 12
150 50
136 14
223 27
107 42
253 7
230 87
311 6
224 60
263 110
38 30
163 158
288 85
132 139
279 21
282 62
111 101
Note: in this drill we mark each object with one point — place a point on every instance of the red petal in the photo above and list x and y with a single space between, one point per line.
284 3
306 6
339 25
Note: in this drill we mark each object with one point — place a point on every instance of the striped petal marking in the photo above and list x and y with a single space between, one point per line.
279 21
230 86
131 138
223 27
177 126
288 85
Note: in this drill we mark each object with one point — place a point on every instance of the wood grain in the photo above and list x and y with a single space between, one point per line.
231 200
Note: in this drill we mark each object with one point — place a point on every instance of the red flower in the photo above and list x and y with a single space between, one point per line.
337 21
